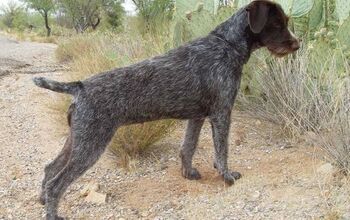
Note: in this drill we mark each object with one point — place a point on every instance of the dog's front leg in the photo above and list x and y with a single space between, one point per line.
220 128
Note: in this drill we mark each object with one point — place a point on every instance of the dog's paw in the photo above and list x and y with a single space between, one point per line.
191 174
231 177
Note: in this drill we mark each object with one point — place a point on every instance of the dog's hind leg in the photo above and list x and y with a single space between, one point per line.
188 148
89 140
53 168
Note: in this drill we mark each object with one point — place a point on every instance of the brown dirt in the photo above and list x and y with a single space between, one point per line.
280 178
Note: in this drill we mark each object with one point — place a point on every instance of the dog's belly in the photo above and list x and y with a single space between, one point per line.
166 111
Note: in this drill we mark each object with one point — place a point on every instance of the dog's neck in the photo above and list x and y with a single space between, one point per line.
236 32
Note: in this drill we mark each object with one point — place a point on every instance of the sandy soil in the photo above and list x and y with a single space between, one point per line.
282 179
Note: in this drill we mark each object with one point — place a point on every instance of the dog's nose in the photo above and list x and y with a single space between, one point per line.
295 45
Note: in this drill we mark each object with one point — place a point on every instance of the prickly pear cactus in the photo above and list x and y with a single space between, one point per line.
296 8
300 26
223 14
181 33
342 9
195 18
201 23
241 3
183 6
343 35
315 15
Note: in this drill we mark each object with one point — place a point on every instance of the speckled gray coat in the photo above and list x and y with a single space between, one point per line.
195 81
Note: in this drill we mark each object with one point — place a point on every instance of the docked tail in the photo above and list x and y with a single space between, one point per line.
70 88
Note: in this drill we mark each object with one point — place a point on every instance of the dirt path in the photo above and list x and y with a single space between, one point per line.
280 181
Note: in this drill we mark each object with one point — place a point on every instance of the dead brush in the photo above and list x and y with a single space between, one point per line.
334 135
303 96
133 139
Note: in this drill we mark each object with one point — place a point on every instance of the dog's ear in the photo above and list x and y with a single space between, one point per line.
258 12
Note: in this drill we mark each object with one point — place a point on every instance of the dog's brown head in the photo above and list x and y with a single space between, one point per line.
269 24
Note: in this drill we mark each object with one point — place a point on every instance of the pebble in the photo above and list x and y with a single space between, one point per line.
91 186
96 198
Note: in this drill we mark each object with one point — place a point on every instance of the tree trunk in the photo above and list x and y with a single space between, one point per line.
48 33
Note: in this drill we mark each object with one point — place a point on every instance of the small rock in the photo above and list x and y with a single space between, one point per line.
144 214
326 169
95 197
256 195
257 122
91 186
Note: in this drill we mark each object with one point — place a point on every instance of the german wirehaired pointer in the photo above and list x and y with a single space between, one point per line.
195 81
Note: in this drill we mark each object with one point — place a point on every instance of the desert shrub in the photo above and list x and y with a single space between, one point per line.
132 140
93 53
14 16
303 96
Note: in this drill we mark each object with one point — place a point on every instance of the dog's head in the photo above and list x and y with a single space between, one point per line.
269 24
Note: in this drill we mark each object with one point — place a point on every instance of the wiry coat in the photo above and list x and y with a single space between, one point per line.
192 81
195 81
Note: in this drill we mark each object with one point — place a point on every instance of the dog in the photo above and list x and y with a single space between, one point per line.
192 82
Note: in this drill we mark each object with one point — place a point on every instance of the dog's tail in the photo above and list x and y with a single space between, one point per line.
70 87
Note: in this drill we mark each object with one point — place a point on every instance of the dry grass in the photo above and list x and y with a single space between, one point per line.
305 96
131 140
30 36
93 53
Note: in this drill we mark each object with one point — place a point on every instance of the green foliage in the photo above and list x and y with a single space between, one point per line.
84 14
44 7
342 9
184 6
89 13
343 35
194 19
296 8
14 16
154 16
41 6
196 24
113 13
315 16
241 3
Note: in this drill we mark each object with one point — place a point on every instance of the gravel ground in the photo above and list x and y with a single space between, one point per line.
282 179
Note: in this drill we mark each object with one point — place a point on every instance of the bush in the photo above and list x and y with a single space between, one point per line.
304 96
93 53
14 16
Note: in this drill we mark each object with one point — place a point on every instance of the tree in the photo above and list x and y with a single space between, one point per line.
114 12
154 12
44 7
89 13
84 13
14 16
